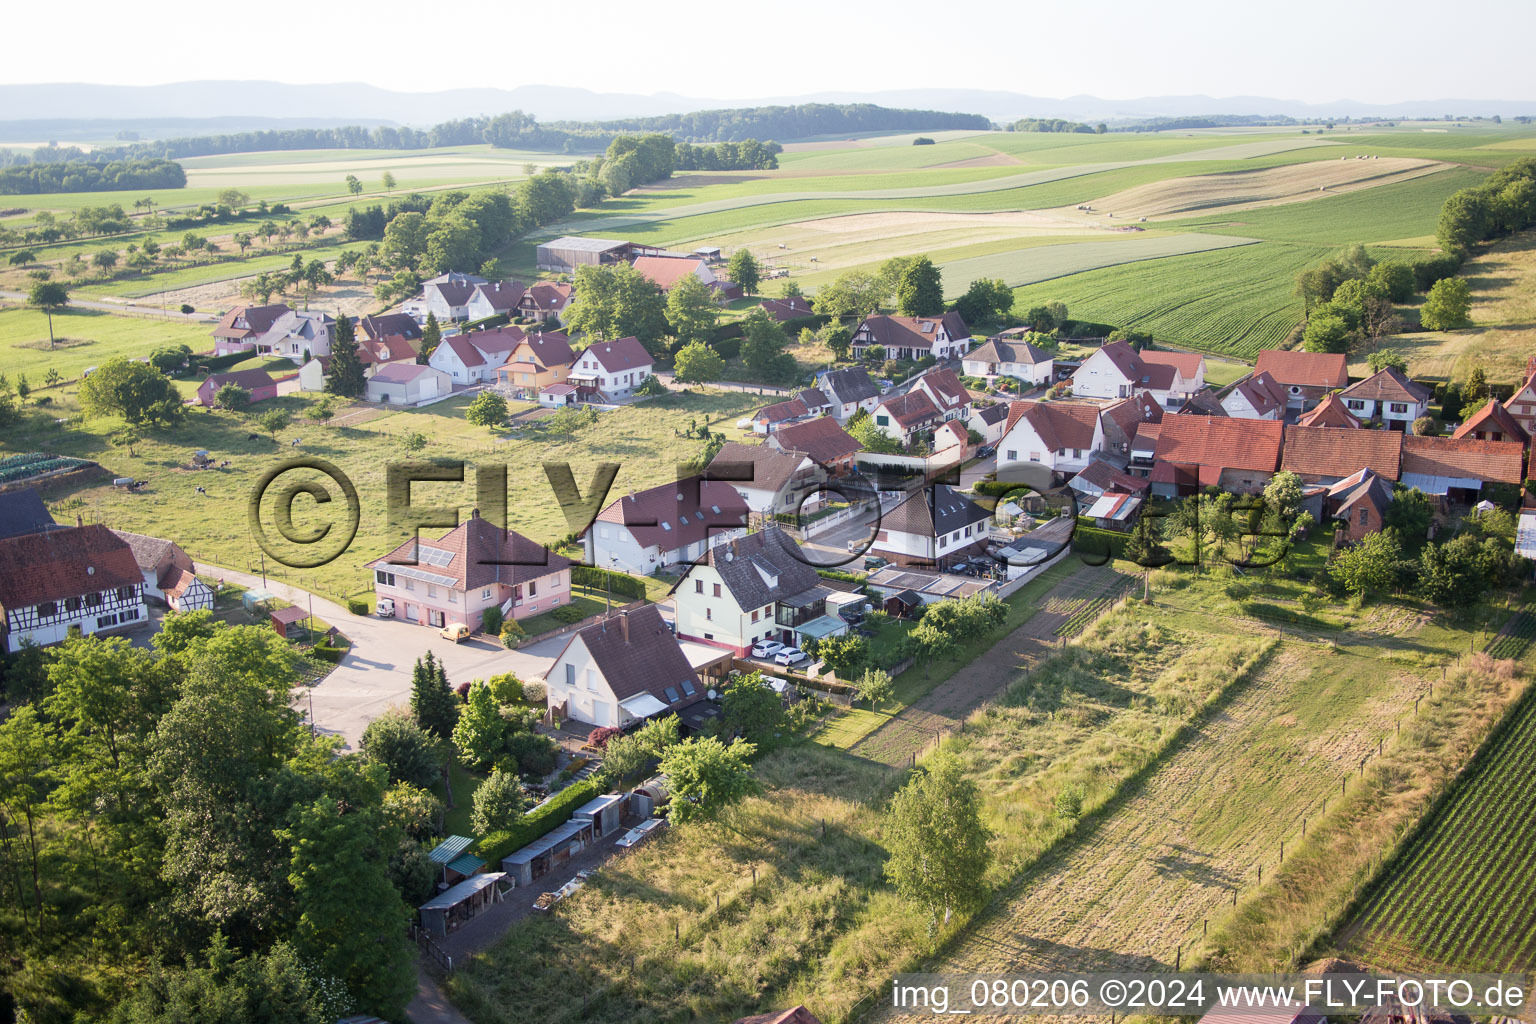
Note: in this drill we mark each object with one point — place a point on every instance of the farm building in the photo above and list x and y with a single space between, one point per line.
51 581
168 573
564 255
258 382
408 384
284 619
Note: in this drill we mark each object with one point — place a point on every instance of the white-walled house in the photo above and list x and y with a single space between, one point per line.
474 358
169 575
756 588
493 298
673 524
934 526
1118 371
447 295
407 384
1388 396
1258 397
905 417
942 386
1058 435
298 335
84 576
913 337
770 481
474 566
1009 355
611 369
624 669
990 422
848 391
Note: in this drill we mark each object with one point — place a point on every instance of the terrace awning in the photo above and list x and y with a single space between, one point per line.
1440 485
643 705
448 851
821 627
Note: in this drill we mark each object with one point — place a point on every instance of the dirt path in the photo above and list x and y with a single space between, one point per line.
947 705
1128 890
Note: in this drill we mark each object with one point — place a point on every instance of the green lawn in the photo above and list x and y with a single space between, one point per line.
86 338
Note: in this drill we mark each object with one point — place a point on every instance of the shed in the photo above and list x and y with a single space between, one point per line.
283 618
256 599
453 854
603 811
465 901
549 851
708 252
903 604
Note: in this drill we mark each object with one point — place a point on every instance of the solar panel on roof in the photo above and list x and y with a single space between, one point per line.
434 556
426 577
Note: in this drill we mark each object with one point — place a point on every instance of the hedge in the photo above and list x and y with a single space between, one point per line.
846 577
324 652
357 605
542 819
215 363
602 579
486 323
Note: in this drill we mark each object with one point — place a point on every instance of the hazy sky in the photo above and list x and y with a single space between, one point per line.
1312 50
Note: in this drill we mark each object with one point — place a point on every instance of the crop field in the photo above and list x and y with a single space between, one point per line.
1233 301
1457 895
1027 266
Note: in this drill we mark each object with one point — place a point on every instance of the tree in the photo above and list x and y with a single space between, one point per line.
706 777
498 801
743 270
353 185
985 300
920 290
861 427
414 441
1392 280
181 632
322 411
1475 391
271 986
106 259
350 918
1326 332
402 748
233 198
1369 566
388 182
170 358
480 735
839 338
432 700
751 709
1448 305
1465 218
691 310
762 347
618 301
487 410
1387 358
431 337
853 294
50 297
1283 494
875 686
937 842
1426 426
231 397
274 420
697 363
1461 571
136 391
125 438
22 257
512 634
345 376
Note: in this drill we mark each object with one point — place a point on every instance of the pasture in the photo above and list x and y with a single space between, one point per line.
84 338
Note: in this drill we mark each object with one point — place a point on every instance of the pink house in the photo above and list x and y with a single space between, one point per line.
258 382
472 567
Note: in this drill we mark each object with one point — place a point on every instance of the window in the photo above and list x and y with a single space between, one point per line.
48 609
129 616
453 597
533 587
383 579
883 420
754 615
672 695
1399 407
666 526
485 594
408 584
431 590
1362 517
1034 456
1013 456
698 586
125 593
592 680
106 620
570 676
709 613
1355 403
93 600
716 590
688 688
768 611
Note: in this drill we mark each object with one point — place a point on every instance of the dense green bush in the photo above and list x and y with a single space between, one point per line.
357 605
598 579
551 814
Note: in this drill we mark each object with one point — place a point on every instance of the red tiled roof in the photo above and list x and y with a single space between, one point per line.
945 384
1158 376
547 296
56 564
1147 436
1305 369
1059 424
1492 418
1263 392
781 411
502 295
911 331
1330 412
1106 477
390 325
1221 442
822 439
1187 363
259 318
616 356
1129 414
551 348
637 653
686 506
666 271
910 409
479 554
1489 461
1331 451
250 380
793 308
1388 385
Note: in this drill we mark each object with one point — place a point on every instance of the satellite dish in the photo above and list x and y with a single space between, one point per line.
711 694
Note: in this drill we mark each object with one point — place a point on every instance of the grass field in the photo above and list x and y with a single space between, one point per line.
84 338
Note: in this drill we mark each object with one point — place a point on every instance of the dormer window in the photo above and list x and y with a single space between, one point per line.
666 526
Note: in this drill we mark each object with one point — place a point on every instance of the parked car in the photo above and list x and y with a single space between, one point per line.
455 631
789 656
986 451
874 562
386 608
670 624
766 648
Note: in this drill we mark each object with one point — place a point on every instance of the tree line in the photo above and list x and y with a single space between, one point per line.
1055 124
1501 205
91 176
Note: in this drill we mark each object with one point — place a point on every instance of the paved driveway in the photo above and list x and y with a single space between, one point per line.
376 671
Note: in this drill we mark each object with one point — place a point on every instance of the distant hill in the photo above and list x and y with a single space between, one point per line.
356 103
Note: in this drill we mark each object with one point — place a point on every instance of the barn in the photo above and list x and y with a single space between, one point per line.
564 255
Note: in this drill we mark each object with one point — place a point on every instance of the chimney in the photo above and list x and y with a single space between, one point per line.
624 625
79 519
474 513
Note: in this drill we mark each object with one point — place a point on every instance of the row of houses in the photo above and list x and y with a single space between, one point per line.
456 296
